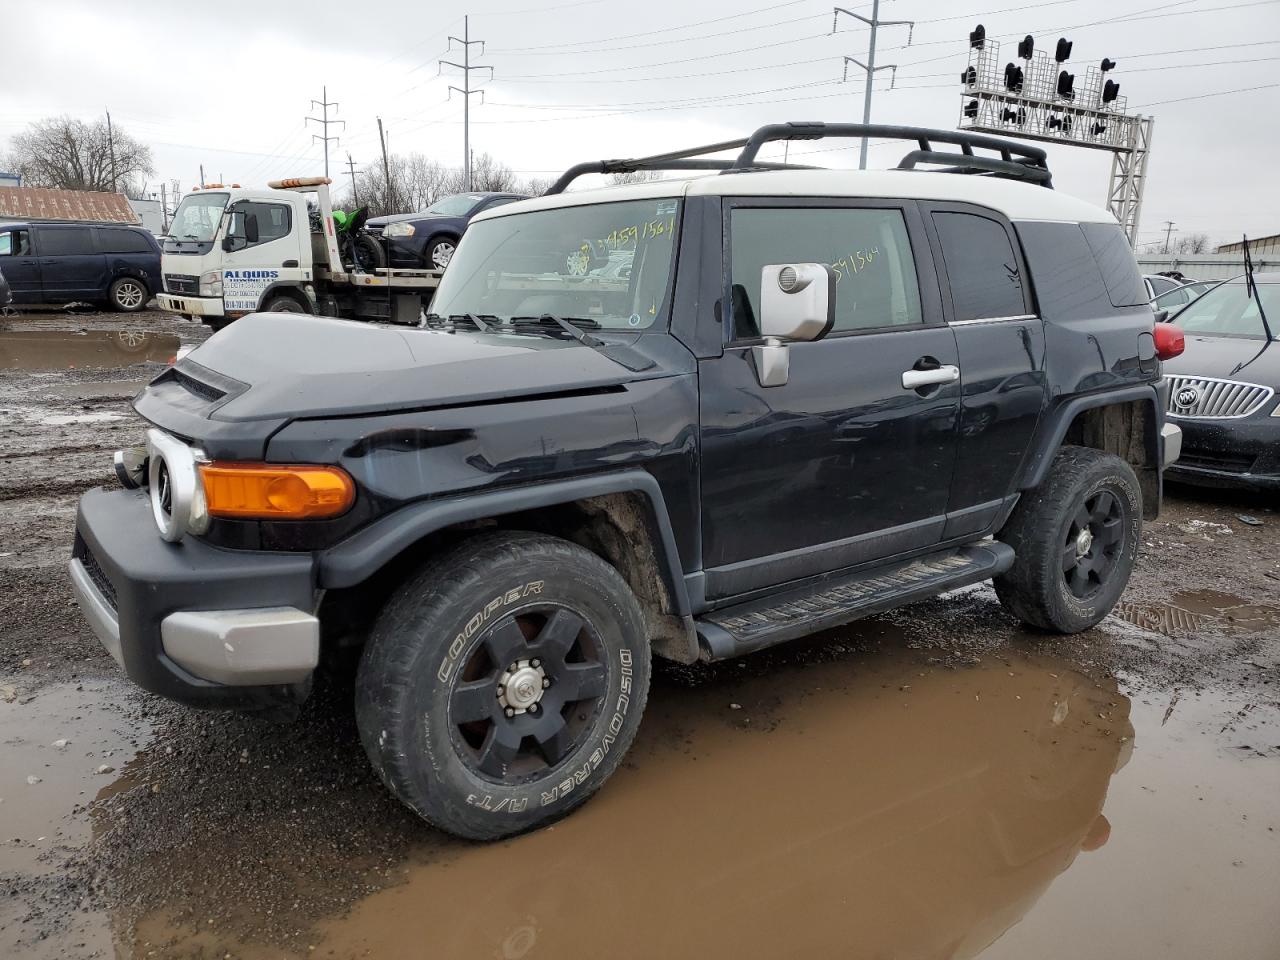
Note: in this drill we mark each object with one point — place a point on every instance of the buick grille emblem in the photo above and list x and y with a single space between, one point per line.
1186 397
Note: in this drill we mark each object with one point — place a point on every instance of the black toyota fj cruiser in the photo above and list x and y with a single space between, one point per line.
690 418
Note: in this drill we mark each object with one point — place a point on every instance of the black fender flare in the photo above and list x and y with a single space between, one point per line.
1058 421
360 556
292 287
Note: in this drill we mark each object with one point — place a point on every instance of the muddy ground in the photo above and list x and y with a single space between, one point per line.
933 783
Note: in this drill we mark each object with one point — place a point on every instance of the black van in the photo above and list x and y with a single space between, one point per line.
67 262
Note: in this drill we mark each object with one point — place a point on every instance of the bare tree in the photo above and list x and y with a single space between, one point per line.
1193 243
69 154
418 181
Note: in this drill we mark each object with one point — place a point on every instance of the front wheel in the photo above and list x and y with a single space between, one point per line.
128 295
283 304
503 683
1075 538
439 252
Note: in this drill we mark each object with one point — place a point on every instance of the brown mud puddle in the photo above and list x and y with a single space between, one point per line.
62 349
877 805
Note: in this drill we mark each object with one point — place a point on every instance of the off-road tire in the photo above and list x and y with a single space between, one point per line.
128 295
424 648
1036 589
283 303
369 253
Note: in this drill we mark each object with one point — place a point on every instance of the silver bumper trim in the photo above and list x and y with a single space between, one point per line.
102 618
243 647
1170 444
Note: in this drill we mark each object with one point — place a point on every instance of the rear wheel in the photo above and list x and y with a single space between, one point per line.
1076 538
128 295
502 685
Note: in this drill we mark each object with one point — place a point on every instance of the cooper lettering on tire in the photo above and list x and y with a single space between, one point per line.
503 683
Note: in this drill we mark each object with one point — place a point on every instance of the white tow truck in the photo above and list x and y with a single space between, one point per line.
234 250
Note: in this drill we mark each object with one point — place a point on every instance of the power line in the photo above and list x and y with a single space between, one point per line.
670 40
1204 96
650 33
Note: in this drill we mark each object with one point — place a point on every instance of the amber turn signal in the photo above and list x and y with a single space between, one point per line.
276 492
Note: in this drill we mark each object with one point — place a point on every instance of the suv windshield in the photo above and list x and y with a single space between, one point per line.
456 206
198 216
1229 310
608 262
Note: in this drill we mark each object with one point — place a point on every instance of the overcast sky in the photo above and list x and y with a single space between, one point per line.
228 84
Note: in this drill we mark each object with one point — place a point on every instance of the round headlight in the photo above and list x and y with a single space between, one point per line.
177 496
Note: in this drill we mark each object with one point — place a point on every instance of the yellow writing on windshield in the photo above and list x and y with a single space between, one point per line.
854 262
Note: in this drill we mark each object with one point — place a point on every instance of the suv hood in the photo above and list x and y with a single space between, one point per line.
277 367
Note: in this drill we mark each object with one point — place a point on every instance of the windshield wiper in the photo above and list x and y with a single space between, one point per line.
571 325
1251 287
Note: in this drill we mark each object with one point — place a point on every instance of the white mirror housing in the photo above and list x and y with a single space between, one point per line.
797 300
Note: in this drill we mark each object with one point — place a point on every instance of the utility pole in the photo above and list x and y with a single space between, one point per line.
870 68
1168 234
111 148
351 168
324 104
466 89
386 166
164 207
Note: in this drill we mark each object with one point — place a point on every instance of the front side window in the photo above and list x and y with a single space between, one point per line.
1230 310
65 242
607 262
982 269
272 219
15 243
868 249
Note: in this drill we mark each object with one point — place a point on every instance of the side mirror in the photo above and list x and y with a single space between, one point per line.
251 227
797 302
1162 316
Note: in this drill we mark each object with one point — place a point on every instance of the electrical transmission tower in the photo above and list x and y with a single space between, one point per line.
324 104
466 66
870 68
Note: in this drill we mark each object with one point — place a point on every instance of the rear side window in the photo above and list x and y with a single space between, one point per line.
868 248
122 241
65 241
982 268
1115 259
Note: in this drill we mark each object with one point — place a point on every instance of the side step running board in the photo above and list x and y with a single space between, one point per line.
757 624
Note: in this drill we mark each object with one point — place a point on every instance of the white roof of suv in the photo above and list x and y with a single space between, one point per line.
1016 200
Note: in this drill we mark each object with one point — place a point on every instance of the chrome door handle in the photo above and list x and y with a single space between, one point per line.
915 379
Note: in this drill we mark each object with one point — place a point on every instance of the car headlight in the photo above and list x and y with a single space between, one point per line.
211 283
177 496
398 230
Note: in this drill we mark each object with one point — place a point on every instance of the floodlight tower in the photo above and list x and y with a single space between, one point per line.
1038 99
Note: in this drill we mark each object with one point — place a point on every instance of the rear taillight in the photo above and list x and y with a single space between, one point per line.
1169 341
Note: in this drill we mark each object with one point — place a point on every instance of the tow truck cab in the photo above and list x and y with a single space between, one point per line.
233 250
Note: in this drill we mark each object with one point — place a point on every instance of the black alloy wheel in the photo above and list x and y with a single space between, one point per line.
1095 535
528 694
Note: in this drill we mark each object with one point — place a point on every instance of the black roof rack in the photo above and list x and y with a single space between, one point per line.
1015 161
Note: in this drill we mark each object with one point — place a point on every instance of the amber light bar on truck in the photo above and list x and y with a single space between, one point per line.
258 491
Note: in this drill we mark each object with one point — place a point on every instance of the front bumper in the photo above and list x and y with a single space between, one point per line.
189 621
192 306
1243 453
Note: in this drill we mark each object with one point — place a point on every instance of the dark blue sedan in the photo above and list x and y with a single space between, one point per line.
426 240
